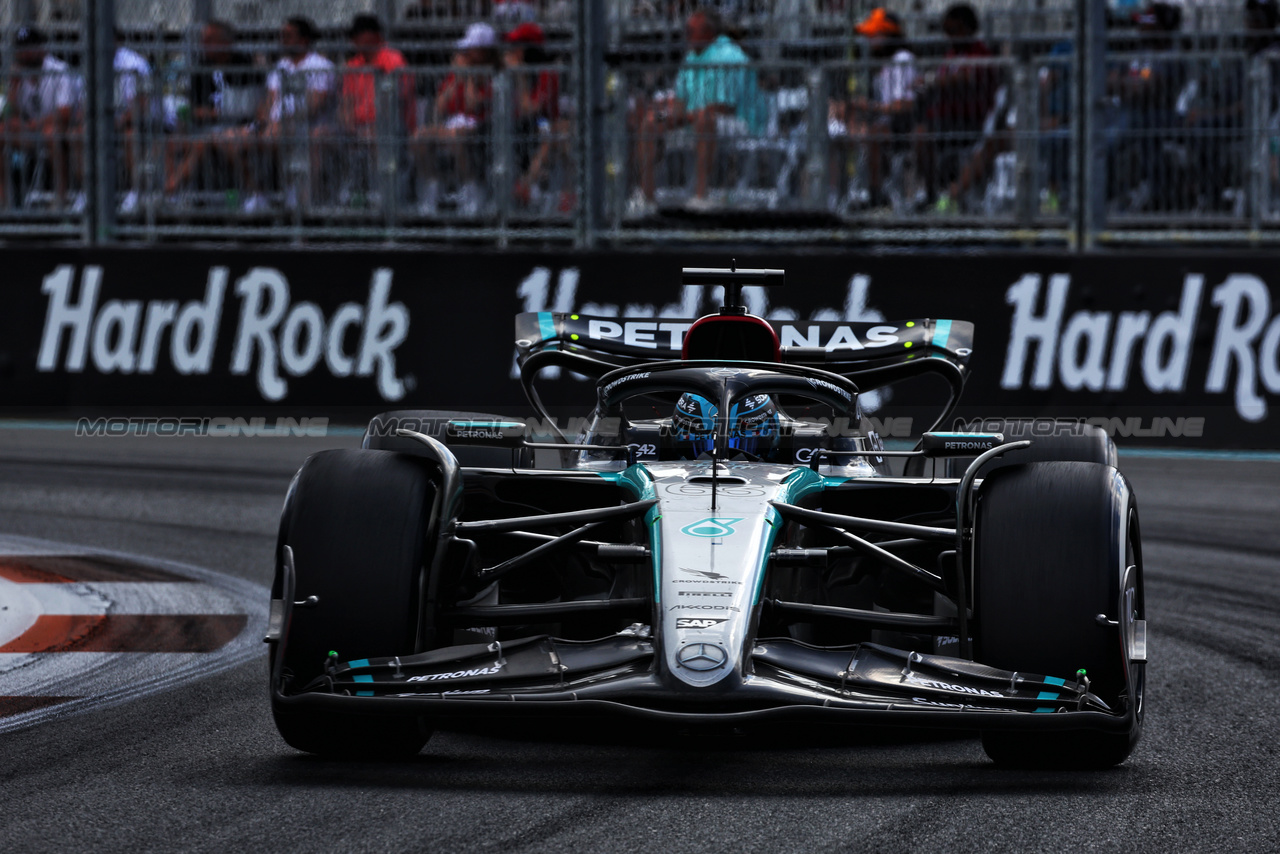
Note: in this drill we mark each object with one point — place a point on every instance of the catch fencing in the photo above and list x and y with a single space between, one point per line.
1061 124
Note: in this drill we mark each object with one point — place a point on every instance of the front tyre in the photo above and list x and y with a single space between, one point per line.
358 524
1056 544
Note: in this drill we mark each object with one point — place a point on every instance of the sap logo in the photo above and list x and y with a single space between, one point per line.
272 336
692 623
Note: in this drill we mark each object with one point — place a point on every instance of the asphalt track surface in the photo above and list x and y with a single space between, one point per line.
200 767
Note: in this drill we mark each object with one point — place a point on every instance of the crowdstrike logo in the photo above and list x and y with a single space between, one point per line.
274 337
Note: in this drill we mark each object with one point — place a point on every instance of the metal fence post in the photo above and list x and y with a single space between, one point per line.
619 162
1026 135
1256 142
387 126
816 156
503 147
295 147
590 41
1091 80
99 127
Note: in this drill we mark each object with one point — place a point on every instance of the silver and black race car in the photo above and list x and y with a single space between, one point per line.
722 539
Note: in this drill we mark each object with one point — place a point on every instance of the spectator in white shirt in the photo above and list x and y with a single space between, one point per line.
44 111
133 109
302 95
319 82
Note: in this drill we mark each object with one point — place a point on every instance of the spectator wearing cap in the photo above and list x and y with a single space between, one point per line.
716 93
889 112
302 94
462 106
44 112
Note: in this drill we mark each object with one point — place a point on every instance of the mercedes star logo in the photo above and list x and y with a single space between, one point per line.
701 656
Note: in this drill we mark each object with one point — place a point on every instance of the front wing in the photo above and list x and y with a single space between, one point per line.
788 680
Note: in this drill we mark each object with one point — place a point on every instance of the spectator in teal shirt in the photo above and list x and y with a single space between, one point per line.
715 93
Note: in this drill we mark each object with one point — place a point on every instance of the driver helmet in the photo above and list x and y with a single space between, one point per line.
753 424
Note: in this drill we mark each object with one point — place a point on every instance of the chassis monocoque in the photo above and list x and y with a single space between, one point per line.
978 583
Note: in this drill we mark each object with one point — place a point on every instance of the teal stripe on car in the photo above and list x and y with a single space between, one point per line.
359 662
941 333
547 325
363 677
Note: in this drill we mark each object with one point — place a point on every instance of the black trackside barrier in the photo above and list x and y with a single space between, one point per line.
1170 349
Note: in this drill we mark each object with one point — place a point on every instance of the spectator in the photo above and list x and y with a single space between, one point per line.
133 113
1262 17
226 115
359 89
301 95
888 115
359 115
538 126
462 106
957 102
1149 88
45 113
715 94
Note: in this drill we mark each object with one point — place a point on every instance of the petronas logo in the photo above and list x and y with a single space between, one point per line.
711 527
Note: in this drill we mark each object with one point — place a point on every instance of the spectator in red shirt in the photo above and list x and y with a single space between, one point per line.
359 84
461 118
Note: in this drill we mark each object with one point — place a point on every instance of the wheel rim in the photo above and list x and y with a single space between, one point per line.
1132 608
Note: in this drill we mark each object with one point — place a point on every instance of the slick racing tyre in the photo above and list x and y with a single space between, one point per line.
1056 545
379 435
357 522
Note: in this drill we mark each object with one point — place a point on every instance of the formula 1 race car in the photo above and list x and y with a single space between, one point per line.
724 539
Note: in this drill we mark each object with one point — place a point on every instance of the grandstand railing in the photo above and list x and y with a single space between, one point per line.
800 144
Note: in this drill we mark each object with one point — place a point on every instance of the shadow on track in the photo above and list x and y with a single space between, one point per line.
836 762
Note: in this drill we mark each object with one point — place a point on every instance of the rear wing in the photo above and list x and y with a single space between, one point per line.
837 346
